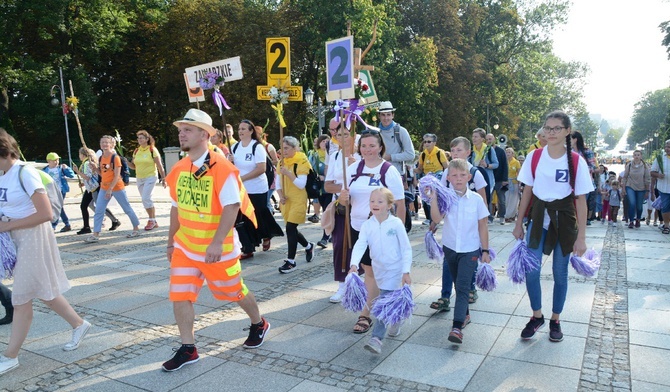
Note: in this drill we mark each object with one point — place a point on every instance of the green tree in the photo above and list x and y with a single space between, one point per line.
649 116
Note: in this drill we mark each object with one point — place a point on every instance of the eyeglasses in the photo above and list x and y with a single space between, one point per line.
428 141
553 129
370 132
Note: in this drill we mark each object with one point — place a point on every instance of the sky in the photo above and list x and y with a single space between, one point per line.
621 43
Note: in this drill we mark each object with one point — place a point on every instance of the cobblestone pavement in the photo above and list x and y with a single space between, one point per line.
617 333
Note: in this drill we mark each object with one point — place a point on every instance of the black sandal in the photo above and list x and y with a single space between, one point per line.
363 322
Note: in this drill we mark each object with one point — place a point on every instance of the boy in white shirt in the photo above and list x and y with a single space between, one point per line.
391 254
465 238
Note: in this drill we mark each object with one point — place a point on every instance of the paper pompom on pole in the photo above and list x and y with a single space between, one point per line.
520 262
586 265
7 256
446 197
433 248
395 307
486 277
355 294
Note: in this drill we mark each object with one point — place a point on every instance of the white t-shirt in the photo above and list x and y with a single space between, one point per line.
460 231
360 190
551 180
246 161
478 183
662 184
334 172
15 203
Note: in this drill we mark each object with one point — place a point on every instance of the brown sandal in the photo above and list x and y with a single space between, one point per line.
266 244
365 323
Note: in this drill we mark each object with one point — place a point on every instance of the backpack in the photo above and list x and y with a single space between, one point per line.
269 167
53 193
125 169
314 183
359 172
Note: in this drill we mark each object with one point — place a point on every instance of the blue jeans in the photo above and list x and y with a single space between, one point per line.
635 201
101 206
63 215
559 269
462 267
379 330
447 280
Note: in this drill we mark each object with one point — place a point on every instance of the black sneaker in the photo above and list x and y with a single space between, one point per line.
257 334
65 229
309 252
115 225
314 219
183 356
323 243
533 325
85 230
555 334
288 267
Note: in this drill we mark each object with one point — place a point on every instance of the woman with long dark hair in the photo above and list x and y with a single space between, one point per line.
578 146
25 213
550 190
249 156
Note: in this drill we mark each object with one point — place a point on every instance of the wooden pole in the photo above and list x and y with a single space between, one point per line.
76 117
347 229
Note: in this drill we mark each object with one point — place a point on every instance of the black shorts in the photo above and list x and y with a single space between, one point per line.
365 260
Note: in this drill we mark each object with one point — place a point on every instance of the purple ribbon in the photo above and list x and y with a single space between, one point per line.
220 101
351 109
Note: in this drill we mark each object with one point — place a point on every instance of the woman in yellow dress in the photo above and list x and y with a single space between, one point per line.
293 170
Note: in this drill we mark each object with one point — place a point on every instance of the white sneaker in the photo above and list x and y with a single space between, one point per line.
7 364
374 346
426 222
394 330
77 335
337 297
501 220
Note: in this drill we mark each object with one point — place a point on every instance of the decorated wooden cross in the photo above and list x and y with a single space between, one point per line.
278 89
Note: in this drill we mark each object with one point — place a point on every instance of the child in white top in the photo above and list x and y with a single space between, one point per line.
465 238
614 197
391 254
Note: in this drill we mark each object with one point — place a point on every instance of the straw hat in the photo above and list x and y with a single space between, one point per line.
198 118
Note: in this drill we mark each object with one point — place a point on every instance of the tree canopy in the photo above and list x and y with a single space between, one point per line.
448 66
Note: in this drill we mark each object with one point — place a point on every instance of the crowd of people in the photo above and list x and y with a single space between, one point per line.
222 210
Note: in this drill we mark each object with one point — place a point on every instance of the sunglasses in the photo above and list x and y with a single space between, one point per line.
370 132
428 141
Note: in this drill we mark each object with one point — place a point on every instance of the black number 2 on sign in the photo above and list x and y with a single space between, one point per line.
277 68
339 76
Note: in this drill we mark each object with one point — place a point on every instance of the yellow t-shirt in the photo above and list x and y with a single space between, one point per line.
430 161
145 167
513 167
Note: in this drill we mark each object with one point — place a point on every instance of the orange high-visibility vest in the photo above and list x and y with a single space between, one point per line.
198 203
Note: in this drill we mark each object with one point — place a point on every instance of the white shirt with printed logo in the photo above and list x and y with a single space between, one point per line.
246 161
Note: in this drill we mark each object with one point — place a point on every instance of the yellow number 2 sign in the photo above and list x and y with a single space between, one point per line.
278 57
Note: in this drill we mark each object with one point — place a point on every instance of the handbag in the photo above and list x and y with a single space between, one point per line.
328 217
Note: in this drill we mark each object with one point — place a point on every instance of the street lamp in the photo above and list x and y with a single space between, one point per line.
488 121
319 110
54 102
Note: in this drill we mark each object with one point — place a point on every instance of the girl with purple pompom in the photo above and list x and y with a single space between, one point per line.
465 238
391 254
556 190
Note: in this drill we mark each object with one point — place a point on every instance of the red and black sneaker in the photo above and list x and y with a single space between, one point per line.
183 356
257 334
533 325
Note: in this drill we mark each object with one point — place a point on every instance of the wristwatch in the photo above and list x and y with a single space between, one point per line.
485 250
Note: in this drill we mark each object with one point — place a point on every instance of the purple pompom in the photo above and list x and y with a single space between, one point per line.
395 307
492 253
486 277
588 264
446 197
520 262
355 294
7 256
656 204
433 248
